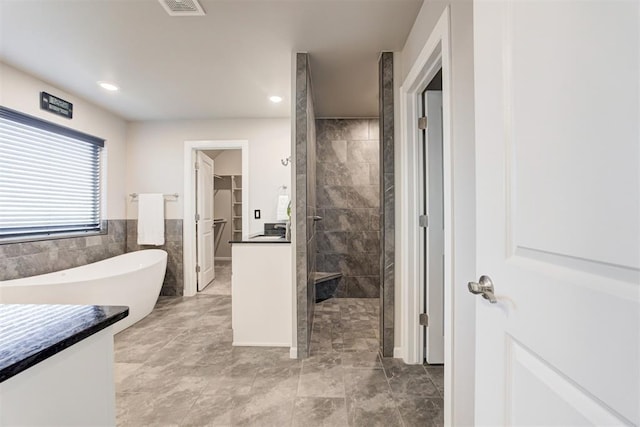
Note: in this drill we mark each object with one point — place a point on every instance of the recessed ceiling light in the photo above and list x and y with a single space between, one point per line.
275 99
108 86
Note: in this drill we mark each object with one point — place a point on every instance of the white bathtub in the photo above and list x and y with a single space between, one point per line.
133 279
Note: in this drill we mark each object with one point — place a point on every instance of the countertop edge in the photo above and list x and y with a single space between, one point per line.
14 369
251 241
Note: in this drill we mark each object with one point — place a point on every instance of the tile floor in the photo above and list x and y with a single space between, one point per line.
221 285
177 367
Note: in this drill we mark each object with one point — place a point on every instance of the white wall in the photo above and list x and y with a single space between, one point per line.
155 150
21 92
227 162
463 169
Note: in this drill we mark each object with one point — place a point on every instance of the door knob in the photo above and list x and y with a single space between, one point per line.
484 287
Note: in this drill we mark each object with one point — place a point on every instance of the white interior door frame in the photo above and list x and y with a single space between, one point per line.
434 55
432 236
188 225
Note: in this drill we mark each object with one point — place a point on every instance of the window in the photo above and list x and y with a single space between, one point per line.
49 179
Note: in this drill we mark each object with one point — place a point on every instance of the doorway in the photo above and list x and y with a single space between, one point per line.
432 258
226 225
191 151
459 245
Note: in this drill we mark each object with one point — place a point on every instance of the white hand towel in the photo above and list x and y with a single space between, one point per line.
281 210
151 219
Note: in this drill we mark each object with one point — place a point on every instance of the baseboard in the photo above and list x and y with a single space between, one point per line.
397 352
260 344
222 258
293 353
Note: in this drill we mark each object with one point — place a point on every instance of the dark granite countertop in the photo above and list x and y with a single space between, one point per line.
31 333
262 239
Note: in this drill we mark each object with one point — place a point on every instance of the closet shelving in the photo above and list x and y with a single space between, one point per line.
236 206
234 203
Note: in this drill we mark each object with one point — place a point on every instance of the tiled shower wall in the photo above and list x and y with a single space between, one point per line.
26 259
348 191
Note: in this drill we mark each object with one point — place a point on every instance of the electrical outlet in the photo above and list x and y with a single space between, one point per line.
256 214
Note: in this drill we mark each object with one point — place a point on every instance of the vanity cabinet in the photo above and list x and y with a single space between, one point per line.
56 365
262 297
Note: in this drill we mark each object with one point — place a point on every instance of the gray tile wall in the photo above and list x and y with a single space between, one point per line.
305 203
348 189
387 205
32 258
26 259
173 280
311 207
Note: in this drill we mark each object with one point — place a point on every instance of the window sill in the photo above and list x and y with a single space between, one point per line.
54 236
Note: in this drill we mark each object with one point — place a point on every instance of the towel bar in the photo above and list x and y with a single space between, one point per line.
134 196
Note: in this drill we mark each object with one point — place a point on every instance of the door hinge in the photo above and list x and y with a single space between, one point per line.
196 166
423 221
424 319
197 269
197 217
422 123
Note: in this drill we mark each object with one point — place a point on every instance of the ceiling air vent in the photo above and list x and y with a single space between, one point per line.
182 7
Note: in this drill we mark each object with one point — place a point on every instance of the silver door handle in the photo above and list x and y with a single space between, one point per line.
484 287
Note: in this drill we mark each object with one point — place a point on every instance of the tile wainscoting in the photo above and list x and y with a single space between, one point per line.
173 280
26 259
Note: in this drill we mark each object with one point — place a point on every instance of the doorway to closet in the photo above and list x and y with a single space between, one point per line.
192 151
219 190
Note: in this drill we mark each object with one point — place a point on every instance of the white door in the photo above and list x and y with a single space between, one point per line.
558 188
433 268
204 222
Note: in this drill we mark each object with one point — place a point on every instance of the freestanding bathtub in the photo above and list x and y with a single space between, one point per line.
133 279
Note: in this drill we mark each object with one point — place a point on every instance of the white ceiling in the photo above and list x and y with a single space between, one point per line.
222 65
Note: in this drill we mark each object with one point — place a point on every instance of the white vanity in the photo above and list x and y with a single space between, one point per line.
262 292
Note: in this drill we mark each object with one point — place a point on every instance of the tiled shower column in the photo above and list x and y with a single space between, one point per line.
387 202
305 204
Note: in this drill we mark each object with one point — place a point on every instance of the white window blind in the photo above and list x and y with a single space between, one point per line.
49 178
